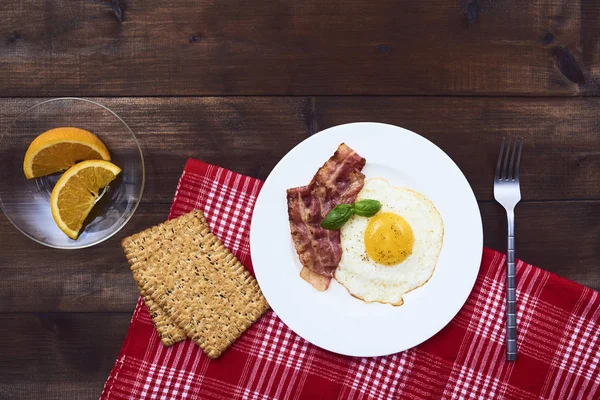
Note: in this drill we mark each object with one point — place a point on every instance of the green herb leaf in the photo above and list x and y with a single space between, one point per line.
367 208
337 217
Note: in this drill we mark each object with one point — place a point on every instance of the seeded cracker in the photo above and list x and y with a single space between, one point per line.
136 248
185 270
168 332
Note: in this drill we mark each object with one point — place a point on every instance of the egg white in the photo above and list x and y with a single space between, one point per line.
373 282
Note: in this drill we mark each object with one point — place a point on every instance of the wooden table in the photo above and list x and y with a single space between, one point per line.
239 83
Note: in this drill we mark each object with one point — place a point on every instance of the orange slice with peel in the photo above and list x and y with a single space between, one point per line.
76 192
59 149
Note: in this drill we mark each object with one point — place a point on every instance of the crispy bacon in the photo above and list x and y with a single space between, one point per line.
338 181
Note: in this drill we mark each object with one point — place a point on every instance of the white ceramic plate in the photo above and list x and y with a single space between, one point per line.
333 319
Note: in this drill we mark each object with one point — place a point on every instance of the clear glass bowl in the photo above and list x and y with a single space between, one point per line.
26 203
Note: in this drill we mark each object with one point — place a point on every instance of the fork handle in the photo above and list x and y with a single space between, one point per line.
511 297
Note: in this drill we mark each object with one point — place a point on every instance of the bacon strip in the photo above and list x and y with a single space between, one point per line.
338 181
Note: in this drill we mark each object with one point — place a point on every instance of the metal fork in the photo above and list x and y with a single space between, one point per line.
508 193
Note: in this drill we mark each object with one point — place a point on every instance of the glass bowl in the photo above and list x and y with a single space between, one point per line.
26 203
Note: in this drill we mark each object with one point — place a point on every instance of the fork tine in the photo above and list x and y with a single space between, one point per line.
518 159
511 165
503 177
499 160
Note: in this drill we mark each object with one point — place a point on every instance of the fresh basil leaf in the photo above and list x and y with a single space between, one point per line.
367 208
337 217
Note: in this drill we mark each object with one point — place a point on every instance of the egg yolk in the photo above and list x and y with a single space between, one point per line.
389 239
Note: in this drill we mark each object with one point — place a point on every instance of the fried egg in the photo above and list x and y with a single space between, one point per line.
388 255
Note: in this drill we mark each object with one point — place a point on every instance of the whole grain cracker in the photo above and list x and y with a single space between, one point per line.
168 332
196 281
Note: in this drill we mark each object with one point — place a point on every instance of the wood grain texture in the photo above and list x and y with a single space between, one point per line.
562 237
64 356
216 47
561 159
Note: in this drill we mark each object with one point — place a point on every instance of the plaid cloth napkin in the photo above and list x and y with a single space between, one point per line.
559 332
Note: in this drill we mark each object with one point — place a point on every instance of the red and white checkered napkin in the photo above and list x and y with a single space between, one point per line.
559 332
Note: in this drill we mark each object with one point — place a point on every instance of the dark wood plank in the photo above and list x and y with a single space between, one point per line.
214 47
58 356
561 237
561 159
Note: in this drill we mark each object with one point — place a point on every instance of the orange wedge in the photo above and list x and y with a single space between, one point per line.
59 149
77 191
